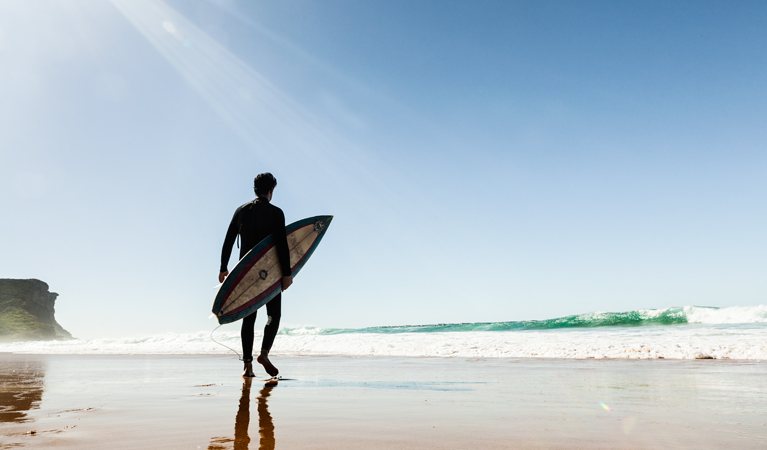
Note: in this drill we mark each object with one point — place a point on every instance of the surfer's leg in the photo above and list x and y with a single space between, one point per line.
246 334
274 311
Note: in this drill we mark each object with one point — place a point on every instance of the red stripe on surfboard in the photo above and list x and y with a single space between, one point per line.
244 271
258 298
252 262
250 302
303 257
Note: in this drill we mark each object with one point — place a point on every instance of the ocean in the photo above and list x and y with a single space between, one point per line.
689 332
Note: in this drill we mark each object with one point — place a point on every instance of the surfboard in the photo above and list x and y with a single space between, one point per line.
257 278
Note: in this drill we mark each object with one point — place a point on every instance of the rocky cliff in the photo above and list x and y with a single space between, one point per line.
27 311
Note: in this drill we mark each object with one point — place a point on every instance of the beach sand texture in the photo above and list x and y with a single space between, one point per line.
191 402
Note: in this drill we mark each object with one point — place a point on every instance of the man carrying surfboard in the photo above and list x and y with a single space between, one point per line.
253 222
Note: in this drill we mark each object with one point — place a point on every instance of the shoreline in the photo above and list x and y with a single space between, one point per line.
438 357
690 342
186 401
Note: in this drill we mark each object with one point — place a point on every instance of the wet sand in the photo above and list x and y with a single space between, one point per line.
190 402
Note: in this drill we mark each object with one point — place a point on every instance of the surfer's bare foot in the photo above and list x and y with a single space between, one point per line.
248 372
270 369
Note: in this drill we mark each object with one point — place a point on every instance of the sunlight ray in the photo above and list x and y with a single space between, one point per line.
278 129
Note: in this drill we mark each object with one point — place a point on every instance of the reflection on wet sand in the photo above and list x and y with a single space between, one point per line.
21 389
265 424
241 439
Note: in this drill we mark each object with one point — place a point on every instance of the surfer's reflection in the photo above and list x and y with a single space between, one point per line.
265 424
21 389
242 422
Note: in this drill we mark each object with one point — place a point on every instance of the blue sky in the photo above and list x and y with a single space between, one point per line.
485 161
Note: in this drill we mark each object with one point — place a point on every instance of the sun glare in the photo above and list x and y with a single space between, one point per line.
169 27
250 104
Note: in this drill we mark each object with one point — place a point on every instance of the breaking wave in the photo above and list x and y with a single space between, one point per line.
640 317
690 332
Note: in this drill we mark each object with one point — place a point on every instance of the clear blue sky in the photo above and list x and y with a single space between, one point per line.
485 161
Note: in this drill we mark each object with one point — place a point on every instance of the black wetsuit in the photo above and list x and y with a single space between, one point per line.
255 221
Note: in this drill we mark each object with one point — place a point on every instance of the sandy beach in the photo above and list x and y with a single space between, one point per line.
191 402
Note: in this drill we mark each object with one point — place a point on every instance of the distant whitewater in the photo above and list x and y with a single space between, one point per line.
690 332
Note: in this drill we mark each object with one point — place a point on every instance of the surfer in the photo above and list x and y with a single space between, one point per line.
253 222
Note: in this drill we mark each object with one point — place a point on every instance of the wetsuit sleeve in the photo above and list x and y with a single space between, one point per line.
231 235
281 242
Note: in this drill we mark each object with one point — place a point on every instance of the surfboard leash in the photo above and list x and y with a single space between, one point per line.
223 345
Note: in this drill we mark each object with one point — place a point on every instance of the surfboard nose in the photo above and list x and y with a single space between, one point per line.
326 222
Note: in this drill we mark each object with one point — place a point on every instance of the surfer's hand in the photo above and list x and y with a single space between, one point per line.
286 282
222 276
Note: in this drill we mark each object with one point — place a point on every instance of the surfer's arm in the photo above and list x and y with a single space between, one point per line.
281 242
231 235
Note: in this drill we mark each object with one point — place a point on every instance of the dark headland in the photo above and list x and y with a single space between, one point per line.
27 311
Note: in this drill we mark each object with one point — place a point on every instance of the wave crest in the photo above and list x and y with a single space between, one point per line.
640 317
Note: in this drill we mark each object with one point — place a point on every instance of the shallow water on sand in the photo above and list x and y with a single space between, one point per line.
70 401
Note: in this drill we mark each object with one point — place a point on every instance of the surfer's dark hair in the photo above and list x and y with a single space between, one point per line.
264 183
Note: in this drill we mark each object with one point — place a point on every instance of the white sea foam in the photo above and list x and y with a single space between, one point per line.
678 342
720 341
732 314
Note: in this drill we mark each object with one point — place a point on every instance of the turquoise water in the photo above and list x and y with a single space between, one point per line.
637 318
688 332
